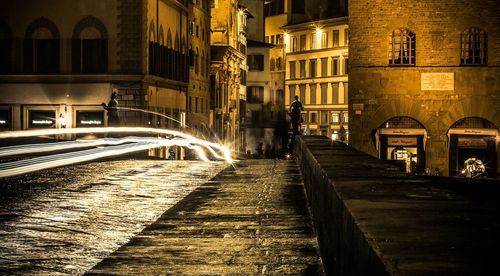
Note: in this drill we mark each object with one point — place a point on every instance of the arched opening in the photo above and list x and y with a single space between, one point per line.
41 47
5 48
472 137
402 140
90 47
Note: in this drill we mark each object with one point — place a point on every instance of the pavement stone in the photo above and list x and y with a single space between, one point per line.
250 219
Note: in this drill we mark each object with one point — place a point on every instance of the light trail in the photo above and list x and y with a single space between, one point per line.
63 159
57 146
226 154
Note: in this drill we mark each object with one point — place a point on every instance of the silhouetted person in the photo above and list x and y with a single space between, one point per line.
295 109
112 108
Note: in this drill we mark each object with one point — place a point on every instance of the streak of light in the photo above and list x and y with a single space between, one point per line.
191 139
63 159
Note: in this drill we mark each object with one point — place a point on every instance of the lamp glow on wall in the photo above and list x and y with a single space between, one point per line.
286 41
319 35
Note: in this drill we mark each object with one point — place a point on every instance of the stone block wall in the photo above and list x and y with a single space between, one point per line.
379 92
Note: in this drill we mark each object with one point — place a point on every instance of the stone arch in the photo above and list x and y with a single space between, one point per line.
472 139
152 33
402 122
399 108
92 22
161 36
169 39
42 23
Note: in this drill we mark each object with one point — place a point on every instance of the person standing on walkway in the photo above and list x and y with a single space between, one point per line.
295 109
112 108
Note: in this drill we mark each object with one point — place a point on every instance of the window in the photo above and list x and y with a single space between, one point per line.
324 93
345 117
293 44
256 62
346 92
346 66
324 67
312 116
255 94
335 38
302 42
335 92
335 66
302 88
314 42
291 91
191 27
272 39
278 64
474 47
243 77
346 37
196 61
312 88
302 65
279 39
280 97
196 105
402 48
324 40
274 7
5 50
324 117
41 47
272 63
266 39
335 118
312 68
292 69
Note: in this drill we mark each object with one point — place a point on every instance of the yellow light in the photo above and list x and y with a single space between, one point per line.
319 33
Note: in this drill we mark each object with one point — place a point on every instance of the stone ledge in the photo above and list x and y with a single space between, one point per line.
372 219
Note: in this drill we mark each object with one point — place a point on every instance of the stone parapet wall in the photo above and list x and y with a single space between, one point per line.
372 219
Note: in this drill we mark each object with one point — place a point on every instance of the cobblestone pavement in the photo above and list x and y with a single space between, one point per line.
64 221
251 219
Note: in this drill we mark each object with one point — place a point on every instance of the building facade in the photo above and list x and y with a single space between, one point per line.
317 72
425 82
228 58
59 62
198 99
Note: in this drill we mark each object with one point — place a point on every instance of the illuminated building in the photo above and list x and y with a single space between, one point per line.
316 63
63 59
425 83
227 68
198 99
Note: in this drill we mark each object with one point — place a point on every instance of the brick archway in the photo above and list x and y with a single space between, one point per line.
42 22
90 21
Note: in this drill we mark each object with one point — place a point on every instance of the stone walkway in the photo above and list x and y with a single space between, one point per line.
251 219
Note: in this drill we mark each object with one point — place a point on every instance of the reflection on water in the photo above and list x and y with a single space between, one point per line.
67 221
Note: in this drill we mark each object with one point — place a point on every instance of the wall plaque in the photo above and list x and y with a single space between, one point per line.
437 81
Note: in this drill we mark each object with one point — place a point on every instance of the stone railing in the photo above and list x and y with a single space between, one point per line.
372 219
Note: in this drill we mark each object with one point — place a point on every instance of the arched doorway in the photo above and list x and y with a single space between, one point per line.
472 137
402 139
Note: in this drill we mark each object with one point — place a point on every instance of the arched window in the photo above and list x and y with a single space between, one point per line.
5 48
41 47
152 32
161 36
402 47
177 44
90 46
474 47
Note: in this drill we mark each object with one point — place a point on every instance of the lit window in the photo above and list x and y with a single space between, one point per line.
402 47
335 118
324 40
314 44
474 47
335 38
302 42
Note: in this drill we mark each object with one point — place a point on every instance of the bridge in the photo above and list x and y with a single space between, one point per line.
333 211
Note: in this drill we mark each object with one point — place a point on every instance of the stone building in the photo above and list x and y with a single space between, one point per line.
425 82
59 62
227 70
316 70
198 99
